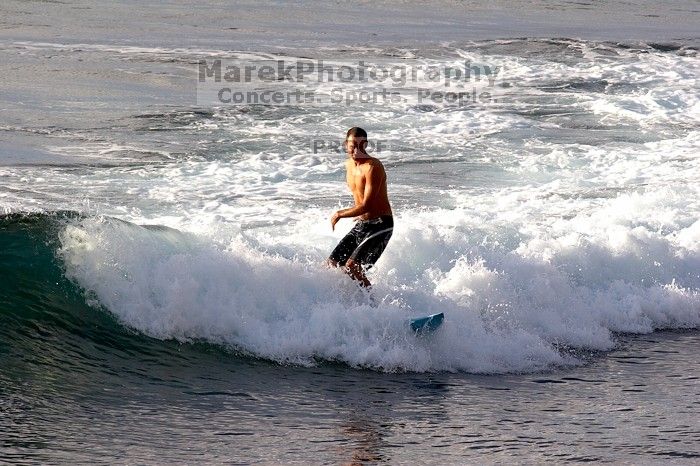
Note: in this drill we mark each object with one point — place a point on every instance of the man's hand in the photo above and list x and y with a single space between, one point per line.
334 220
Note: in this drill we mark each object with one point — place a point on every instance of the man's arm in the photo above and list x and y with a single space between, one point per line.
372 182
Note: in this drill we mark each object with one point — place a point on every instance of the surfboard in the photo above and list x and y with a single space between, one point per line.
427 324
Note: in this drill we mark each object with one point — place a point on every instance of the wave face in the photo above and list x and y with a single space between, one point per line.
46 325
526 315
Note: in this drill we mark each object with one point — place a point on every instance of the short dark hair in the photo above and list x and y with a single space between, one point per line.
356 132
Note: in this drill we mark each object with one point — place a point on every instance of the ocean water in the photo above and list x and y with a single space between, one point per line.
163 298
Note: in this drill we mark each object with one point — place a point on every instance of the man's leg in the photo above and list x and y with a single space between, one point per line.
330 263
342 251
355 270
368 251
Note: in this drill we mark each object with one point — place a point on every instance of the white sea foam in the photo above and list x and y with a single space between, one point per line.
507 309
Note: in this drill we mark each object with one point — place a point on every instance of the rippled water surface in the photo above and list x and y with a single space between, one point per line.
637 404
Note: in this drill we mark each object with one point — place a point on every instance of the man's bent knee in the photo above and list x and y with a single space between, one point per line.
331 263
351 264
356 272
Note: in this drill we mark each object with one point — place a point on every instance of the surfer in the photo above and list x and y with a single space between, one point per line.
365 242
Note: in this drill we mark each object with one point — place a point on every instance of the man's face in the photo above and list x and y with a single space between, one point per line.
355 146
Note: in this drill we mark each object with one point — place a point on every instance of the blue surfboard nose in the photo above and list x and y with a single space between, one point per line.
428 323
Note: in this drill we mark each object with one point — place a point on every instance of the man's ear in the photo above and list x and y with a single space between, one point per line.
364 145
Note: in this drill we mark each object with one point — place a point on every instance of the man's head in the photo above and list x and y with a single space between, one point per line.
356 142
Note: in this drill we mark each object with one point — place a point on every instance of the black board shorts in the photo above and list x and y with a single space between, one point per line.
365 242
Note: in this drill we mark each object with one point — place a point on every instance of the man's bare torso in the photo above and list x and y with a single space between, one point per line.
357 175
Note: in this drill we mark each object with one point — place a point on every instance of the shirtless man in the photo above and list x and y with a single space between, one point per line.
366 178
